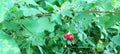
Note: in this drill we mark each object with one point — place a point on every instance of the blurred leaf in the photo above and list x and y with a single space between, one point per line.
84 19
42 10
31 2
38 26
5 5
52 6
103 19
56 17
39 39
60 1
72 28
67 13
109 21
29 11
66 4
91 42
11 26
116 40
8 44
100 47
80 36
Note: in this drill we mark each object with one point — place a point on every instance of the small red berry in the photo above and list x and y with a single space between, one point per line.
66 35
71 37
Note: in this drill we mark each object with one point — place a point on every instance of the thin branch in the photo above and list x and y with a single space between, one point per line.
97 11
88 11
38 15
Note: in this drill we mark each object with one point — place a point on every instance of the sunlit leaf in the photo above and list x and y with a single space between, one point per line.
5 5
38 26
8 44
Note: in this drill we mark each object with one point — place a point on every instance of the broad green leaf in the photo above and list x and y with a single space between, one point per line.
66 4
50 27
42 10
8 44
84 19
113 20
5 5
29 11
46 24
74 5
52 6
108 21
106 5
116 40
60 1
56 17
67 13
14 13
103 20
12 26
38 26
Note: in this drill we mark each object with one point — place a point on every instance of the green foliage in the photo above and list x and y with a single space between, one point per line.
8 44
116 39
38 26
5 6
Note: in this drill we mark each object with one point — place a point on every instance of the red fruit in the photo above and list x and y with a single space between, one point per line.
66 35
70 37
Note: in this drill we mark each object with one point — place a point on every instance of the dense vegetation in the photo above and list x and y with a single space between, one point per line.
59 26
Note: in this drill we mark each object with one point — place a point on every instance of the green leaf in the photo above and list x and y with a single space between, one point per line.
80 36
66 4
29 11
72 28
103 20
67 13
31 2
84 19
116 40
42 10
5 5
50 27
76 5
11 26
60 1
100 47
52 6
56 17
8 44
38 26
39 39
110 20
105 4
